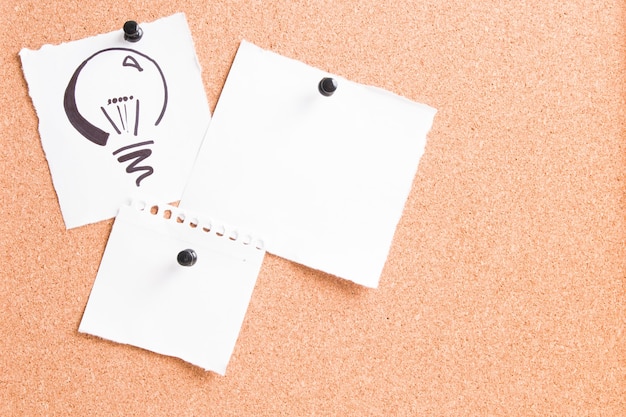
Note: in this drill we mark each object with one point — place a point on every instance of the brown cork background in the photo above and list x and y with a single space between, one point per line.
503 294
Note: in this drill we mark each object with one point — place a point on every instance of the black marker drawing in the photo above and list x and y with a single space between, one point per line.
138 156
126 72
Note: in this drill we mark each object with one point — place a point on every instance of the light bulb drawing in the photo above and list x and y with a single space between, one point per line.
118 91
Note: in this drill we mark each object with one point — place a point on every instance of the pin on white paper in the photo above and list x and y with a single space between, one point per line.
321 172
121 115
173 283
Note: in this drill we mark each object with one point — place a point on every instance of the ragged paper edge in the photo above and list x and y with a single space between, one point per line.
247 44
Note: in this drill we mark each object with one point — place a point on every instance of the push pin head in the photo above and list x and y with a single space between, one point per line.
132 31
187 257
327 86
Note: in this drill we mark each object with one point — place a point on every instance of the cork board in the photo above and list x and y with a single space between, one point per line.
503 292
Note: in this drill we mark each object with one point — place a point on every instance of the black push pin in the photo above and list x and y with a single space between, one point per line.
327 86
132 31
187 257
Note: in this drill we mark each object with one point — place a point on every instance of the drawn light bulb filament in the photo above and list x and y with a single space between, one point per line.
123 103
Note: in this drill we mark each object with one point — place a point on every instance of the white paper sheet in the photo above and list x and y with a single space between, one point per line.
118 120
322 179
143 297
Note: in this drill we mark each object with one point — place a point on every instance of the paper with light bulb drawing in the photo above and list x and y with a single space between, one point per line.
118 120
322 179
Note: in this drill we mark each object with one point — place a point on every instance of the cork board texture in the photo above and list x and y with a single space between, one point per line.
503 293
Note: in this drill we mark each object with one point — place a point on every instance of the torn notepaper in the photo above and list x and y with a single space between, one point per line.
144 296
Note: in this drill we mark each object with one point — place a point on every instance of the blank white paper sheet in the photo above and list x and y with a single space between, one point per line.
322 180
143 297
